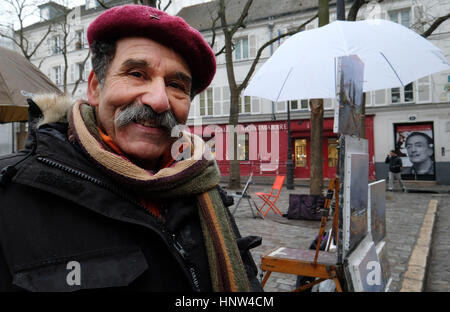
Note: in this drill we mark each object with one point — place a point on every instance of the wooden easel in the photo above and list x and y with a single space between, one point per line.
306 262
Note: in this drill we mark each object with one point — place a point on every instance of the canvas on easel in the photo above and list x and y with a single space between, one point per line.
377 227
364 268
355 172
377 210
349 86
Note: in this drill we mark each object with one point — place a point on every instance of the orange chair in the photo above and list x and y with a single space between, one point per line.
271 198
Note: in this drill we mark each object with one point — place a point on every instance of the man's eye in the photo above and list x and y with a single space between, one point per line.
136 74
178 85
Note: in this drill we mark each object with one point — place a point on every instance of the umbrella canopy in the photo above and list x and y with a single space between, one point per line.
304 66
18 77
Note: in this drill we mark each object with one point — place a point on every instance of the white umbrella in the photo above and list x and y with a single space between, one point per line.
303 67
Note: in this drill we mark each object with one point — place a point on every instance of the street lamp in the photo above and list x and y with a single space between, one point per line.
289 162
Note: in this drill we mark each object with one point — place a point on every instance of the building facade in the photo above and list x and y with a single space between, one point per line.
391 114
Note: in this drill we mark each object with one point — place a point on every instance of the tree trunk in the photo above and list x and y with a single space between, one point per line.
316 160
362 130
235 167
316 105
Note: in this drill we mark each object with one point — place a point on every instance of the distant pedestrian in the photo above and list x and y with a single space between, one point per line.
395 166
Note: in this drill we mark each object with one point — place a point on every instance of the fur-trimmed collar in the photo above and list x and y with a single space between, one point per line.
53 107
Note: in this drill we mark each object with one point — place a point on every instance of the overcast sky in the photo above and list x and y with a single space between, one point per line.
173 9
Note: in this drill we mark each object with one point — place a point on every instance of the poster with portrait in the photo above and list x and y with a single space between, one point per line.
414 143
349 88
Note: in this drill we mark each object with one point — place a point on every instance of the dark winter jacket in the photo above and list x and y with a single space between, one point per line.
395 163
58 210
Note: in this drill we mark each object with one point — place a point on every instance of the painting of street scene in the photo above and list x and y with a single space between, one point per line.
350 94
358 198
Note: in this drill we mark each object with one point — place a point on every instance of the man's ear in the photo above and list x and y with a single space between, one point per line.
93 89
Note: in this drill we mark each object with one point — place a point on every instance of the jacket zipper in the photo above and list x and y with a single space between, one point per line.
160 226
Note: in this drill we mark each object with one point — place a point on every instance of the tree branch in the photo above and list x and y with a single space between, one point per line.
80 78
437 22
265 45
244 14
102 4
213 28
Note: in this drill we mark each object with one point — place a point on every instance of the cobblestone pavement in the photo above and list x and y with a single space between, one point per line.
438 275
404 216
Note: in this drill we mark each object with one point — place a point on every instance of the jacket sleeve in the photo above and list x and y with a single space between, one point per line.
244 244
387 159
5 275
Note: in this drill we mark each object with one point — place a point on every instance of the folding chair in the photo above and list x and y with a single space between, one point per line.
245 195
271 198
305 262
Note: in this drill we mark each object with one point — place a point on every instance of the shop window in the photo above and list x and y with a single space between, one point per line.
300 153
332 152
243 146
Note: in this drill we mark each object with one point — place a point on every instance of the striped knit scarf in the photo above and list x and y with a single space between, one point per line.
195 176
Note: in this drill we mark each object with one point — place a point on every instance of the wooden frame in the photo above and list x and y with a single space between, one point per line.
306 262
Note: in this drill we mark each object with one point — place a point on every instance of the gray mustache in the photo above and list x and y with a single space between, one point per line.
140 112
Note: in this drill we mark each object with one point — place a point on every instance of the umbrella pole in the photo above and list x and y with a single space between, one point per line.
12 137
289 163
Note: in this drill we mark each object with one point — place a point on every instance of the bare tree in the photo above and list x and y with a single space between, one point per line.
432 22
152 3
20 10
229 30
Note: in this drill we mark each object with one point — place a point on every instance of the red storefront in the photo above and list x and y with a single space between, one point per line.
262 147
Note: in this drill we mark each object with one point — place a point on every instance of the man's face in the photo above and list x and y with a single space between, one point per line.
147 73
418 150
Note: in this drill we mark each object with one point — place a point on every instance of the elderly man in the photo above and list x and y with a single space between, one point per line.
99 198
420 152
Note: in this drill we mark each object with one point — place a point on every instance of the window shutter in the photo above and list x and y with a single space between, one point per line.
327 104
423 90
280 106
49 46
252 44
380 97
368 98
256 105
217 101
226 101
72 76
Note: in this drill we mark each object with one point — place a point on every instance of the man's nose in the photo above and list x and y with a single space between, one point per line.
156 96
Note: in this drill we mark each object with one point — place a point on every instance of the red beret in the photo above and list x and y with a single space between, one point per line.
168 30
